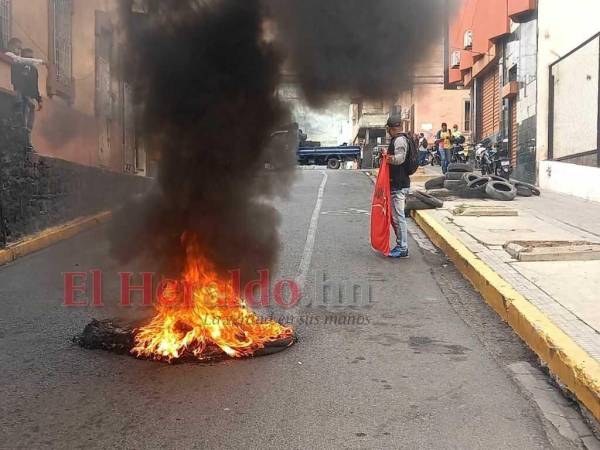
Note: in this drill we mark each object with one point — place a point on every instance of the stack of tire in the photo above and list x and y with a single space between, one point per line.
462 182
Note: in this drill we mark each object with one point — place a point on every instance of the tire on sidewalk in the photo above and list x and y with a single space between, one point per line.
454 176
428 199
440 193
523 191
497 178
534 190
468 177
500 190
459 167
413 204
475 188
454 185
435 183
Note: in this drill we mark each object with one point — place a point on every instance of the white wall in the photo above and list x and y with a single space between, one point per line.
563 25
580 181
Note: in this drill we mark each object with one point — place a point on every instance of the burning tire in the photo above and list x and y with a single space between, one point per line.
333 163
119 338
500 190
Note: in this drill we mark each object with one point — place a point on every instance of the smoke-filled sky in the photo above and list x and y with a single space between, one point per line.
355 48
206 82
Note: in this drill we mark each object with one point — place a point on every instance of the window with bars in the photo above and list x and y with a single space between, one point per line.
467 114
5 20
61 81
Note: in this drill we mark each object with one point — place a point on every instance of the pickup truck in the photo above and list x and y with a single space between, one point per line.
331 156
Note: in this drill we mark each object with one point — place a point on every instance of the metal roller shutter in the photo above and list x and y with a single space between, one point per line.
490 107
513 132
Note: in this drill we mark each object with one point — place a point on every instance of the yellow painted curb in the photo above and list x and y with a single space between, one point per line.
573 366
50 236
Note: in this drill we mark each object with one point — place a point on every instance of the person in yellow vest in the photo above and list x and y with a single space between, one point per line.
443 140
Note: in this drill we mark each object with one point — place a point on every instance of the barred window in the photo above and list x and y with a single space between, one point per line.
5 17
60 40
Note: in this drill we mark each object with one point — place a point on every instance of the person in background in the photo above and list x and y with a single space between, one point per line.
423 149
455 132
399 183
24 77
457 140
443 139
14 53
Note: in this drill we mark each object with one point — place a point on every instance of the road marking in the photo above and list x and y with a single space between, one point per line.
346 212
311 235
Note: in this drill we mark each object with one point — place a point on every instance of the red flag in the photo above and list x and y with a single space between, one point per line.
381 211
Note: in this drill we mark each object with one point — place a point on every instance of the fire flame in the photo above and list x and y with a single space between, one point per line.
202 312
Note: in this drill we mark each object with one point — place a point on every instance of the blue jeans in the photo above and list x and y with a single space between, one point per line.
444 160
398 217
422 157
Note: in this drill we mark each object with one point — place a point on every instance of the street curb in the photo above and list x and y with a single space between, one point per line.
571 364
51 236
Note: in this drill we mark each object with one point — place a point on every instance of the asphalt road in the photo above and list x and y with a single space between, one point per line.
424 365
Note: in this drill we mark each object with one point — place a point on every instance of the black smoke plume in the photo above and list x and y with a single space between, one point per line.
207 85
363 49
207 81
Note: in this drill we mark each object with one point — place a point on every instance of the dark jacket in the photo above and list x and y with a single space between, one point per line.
24 78
399 177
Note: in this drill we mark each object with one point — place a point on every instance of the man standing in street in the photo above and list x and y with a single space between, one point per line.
445 146
24 76
399 183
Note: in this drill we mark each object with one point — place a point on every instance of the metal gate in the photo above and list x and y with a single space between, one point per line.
490 104
514 135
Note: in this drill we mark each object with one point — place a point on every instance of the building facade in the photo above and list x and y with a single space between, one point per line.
423 106
568 123
87 114
533 69
491 51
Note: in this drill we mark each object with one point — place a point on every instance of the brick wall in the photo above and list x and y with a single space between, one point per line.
38 192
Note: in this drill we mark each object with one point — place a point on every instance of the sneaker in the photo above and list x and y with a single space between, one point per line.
397 252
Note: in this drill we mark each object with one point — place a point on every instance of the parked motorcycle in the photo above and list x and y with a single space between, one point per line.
459 154
434 156
494 160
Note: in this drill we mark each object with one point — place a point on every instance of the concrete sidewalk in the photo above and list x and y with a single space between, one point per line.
566 292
